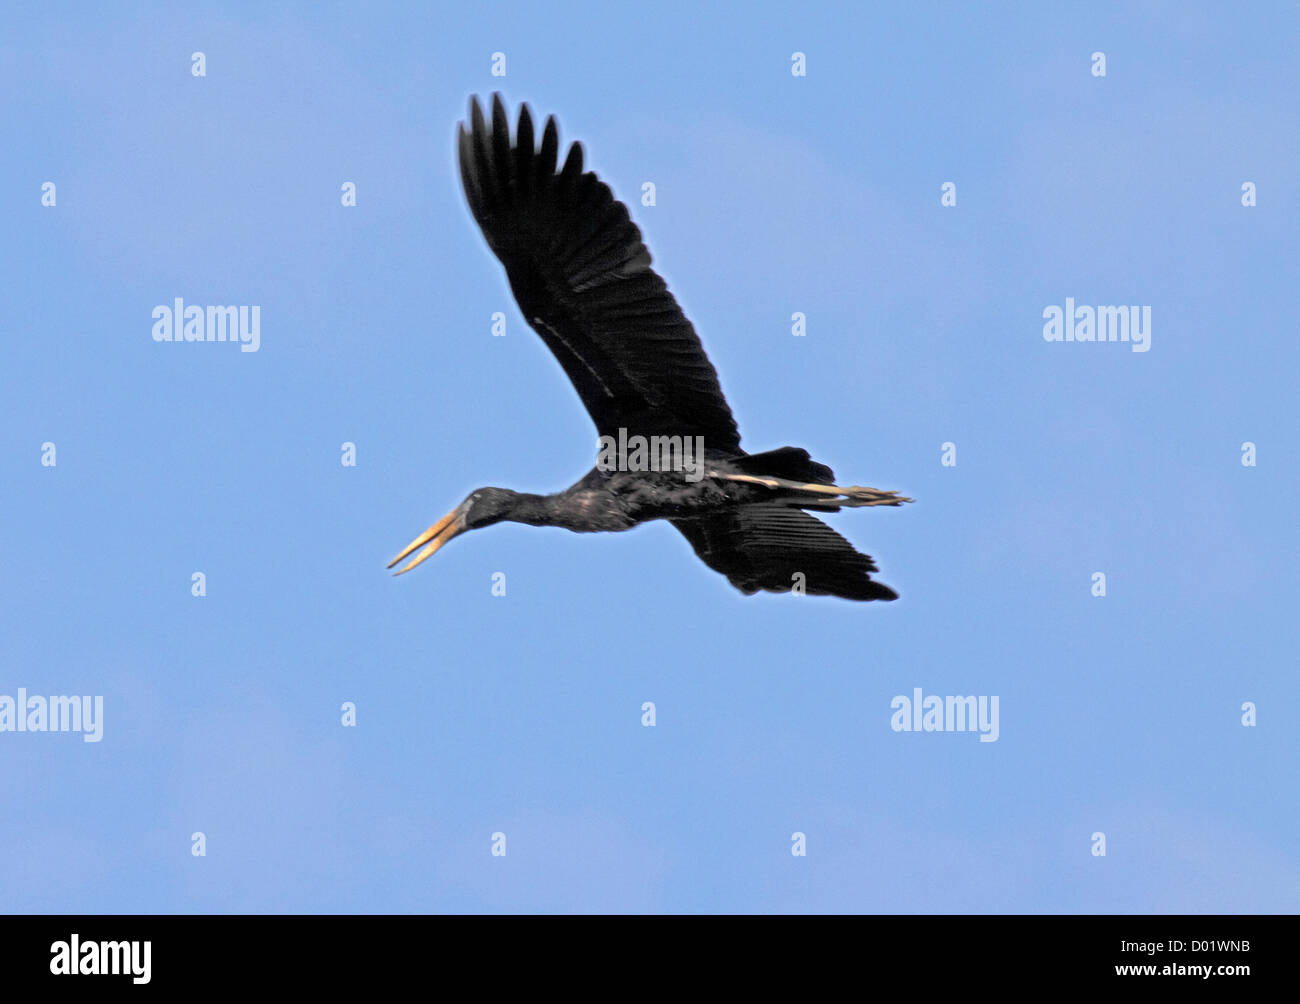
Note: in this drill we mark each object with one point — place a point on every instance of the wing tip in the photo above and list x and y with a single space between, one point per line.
485 134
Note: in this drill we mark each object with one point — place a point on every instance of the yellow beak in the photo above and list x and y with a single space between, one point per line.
442 531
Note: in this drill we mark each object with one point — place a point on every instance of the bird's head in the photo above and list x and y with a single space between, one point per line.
480 508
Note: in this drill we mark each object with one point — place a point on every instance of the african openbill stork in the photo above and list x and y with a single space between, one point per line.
583 281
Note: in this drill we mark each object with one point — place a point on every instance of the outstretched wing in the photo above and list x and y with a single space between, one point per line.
766 546
583 281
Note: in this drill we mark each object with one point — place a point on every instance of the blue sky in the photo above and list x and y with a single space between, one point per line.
522 714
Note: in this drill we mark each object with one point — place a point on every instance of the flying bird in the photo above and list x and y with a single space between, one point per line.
669 447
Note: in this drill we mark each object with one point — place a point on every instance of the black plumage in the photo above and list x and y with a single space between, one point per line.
581 275
582 278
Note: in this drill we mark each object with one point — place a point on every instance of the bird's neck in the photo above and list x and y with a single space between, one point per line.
578 509
535 510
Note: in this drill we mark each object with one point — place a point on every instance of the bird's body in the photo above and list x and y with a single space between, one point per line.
582 278
619 500
608 501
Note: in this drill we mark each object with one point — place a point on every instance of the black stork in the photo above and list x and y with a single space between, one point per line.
582 278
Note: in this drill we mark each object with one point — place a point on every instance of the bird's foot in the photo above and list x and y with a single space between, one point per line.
859 496
852 497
